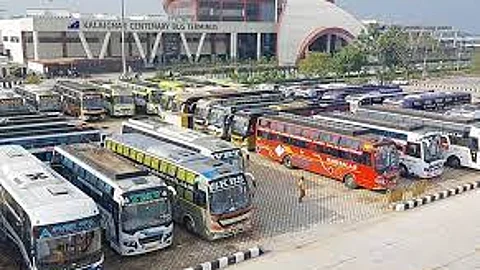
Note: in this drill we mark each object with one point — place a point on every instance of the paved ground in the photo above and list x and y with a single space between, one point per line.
441 236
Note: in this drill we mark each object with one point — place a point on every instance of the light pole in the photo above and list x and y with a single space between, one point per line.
124 59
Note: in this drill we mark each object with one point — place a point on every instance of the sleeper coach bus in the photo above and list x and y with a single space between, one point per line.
189 139
430 101
42 97
242 126
135 206
81 100
213 198
12 103
461 127
54 224
423 147
349 153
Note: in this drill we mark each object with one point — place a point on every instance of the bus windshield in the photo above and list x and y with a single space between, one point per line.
233 157
216 117
156 97
93 102
432 148
229 195
386 158
68 249
145 213
240 126
123 100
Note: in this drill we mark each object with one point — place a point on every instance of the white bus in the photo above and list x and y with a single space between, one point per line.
134 205
462 128
41 97
119 99
213 198
422 147
192 140
83 100
54 225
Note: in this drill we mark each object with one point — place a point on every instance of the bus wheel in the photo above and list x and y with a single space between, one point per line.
453 162
350 182
287 162
404 171
189 224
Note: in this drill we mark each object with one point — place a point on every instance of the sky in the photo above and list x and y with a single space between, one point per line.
461 14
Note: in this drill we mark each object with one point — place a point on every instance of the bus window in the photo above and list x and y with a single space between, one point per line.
188 195
140 157
181 174
164 167
119 149
147 161
126 151
190 178
155 163
133 154
413 149
172 169
109 145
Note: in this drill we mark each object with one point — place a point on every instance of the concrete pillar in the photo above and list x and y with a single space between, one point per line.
329 43
154 50
35 45
259 46
200 46
186 47
64 45
233 45
138 42
106 42
85 45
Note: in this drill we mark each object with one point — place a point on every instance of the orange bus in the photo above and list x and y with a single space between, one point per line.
345 152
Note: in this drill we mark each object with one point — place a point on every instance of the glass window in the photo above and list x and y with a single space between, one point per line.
126 151
172 169
140 157
190 178
133 154
155 163
181 174
164 167
109 145
188 195
147 161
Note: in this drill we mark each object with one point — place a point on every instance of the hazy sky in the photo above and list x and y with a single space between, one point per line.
459 13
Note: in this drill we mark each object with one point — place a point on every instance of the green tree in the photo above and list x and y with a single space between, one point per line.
316 64
351 58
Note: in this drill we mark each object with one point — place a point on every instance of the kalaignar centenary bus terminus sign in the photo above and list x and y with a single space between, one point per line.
115 25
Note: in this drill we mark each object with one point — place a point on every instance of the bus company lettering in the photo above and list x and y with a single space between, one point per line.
68 228
226 183
149 26
342 164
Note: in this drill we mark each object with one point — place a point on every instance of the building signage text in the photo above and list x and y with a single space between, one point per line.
103 25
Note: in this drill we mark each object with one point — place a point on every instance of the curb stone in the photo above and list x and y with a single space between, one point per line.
230 260
413 203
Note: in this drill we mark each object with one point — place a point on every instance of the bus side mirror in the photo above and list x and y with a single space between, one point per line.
172 191
251 179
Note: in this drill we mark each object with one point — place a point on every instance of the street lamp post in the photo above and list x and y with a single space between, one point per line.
124 60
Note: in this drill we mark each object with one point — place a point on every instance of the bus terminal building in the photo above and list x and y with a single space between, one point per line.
191 31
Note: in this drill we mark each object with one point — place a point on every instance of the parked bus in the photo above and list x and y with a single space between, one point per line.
40 133
81 100
42 98
431 101
461 127
243 124
53 224
213 198
186 138
422 147
120 100
12 103
134 205
148 95
374 98
346 152
204 106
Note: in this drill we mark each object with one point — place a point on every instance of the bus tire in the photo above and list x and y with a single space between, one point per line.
454 162
404 171
287 162
350 182
189 224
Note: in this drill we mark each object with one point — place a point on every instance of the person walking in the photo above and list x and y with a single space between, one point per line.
301 188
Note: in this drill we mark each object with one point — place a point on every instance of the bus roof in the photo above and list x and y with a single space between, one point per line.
40 89
351 130
45 196
79 86
9 94
190 137
120 172
200 164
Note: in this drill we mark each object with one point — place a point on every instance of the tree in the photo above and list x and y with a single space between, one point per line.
351 58
316 64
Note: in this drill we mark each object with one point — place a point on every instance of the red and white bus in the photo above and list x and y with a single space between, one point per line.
345 152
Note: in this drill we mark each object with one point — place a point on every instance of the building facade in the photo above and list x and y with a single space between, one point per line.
192 31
